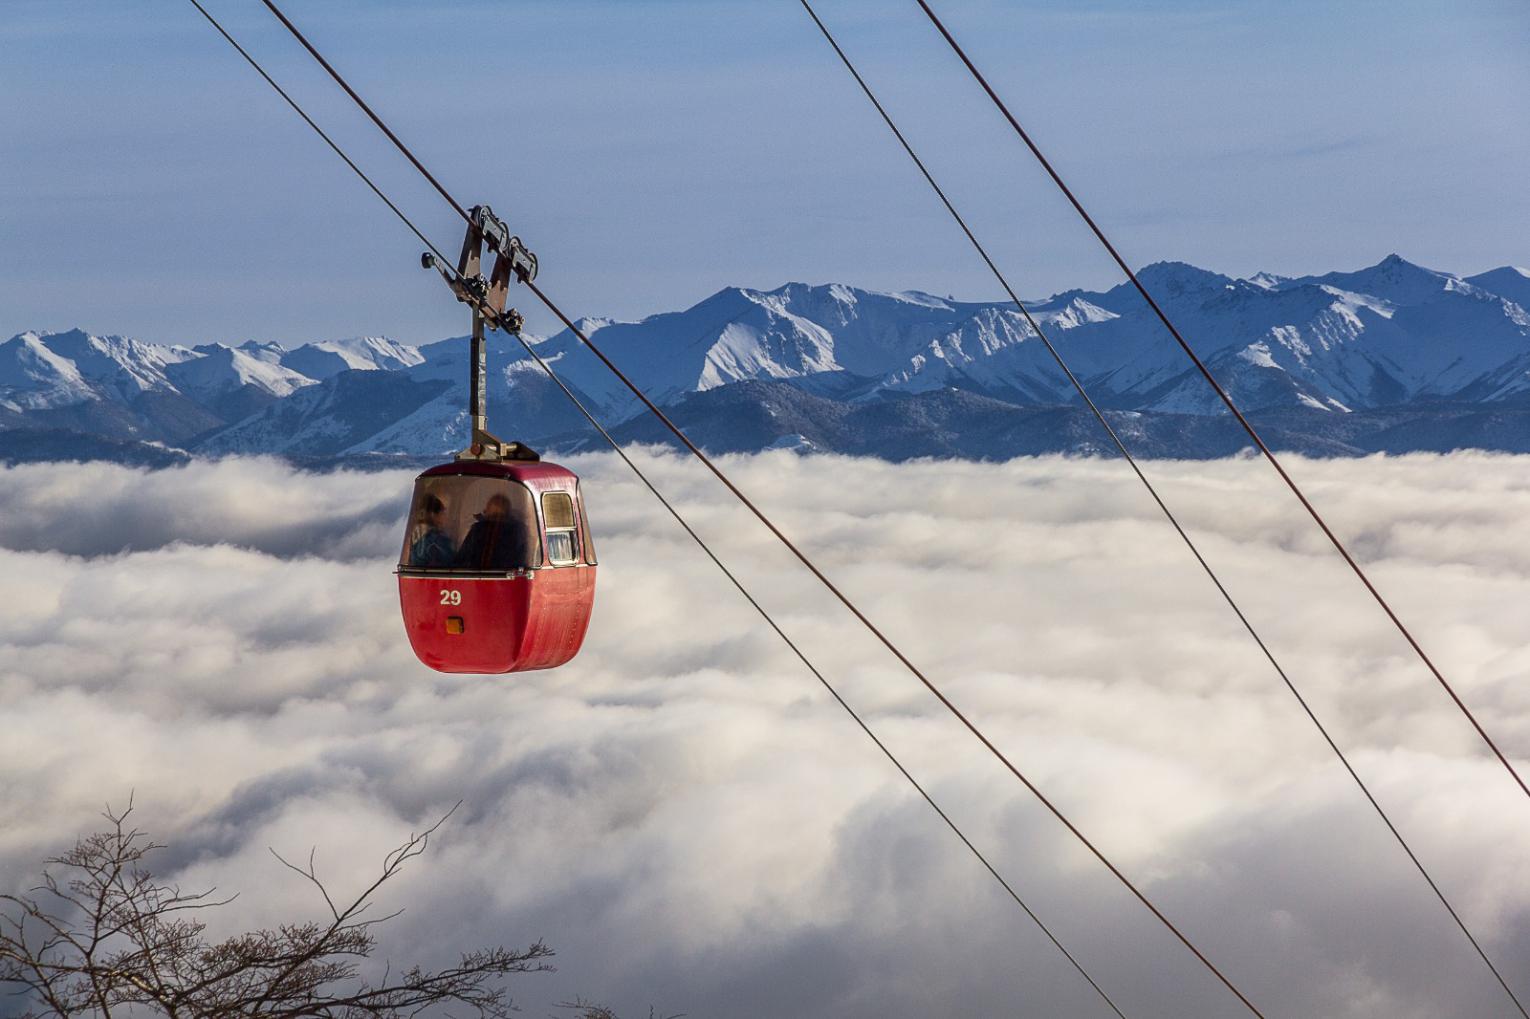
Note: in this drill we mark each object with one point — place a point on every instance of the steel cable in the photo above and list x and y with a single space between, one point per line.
700 542
727 482
749 504
321 133
1169 514
1226 398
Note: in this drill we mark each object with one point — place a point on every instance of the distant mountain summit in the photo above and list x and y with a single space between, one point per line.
1511 282
361 353
1392 356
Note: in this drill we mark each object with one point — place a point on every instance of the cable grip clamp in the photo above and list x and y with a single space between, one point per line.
511 258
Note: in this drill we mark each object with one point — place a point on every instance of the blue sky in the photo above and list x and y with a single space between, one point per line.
652 152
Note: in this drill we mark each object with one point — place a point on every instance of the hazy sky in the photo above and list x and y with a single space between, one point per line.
685 816
653 152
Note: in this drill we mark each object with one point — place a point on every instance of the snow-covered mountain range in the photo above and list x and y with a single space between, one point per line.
1390 356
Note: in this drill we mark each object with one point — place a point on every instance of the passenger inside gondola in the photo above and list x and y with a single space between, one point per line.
434 547
494 542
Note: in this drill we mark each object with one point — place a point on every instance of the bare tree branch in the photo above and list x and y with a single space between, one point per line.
99 934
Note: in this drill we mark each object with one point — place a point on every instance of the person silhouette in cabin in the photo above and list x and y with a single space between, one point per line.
495 541
434 547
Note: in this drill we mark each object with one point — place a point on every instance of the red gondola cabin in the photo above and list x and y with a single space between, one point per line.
497 572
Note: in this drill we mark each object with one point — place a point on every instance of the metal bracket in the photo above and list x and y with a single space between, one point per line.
487 299
511 255
511 258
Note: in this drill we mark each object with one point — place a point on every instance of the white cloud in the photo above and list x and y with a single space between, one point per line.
689 820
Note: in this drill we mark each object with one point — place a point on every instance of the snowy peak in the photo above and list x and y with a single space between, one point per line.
1174 280
1394 335
1072 314
590 325
796 331
166 391
1268 280
1394 279
221 370
44 370
1334 341
33 377
1510 282
123 365
360 353
271 353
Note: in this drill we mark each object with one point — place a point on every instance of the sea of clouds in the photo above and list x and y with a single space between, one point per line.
688 818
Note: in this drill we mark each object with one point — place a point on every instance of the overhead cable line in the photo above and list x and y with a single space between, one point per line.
546 301
1225 397
823 579
896 652
802 656
704 546
1168 513
300 37
697 452
320 132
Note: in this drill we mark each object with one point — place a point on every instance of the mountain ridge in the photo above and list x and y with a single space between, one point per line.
1385 341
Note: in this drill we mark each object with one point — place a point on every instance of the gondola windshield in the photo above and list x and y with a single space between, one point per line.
471 524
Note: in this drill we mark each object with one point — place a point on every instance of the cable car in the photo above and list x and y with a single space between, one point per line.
497 572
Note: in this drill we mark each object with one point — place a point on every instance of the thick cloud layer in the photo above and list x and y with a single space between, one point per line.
689 820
